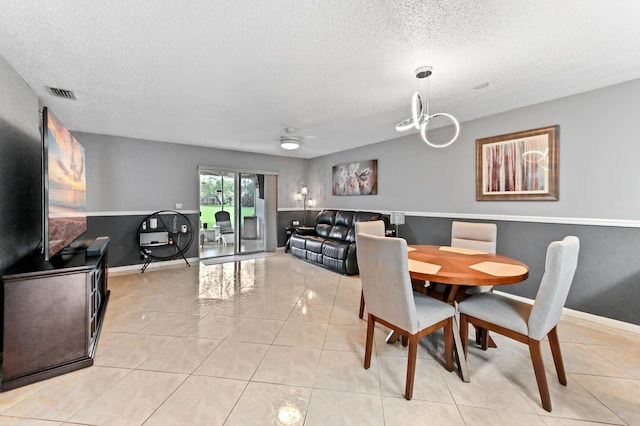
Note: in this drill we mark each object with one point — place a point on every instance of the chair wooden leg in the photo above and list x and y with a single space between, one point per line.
369 343
405 340
464 332
361 314
538 368
411 365
448 345
554 342
484 339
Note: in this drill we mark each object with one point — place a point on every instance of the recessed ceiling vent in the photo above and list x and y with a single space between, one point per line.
61 93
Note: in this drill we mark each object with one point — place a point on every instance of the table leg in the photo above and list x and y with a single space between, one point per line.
484 339
459 353
392 337
450 293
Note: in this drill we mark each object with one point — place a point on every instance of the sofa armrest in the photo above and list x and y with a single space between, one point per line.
306 230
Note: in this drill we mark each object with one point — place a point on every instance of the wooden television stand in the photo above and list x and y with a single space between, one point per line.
53 313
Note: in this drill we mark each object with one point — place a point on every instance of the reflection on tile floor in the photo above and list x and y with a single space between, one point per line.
277 340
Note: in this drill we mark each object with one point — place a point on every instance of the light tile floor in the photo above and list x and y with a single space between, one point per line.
277 341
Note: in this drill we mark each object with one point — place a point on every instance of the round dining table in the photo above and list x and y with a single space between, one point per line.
459 268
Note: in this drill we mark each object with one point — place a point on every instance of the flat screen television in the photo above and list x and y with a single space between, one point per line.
64 186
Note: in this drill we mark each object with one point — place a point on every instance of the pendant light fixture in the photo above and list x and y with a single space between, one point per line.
289 143
420 117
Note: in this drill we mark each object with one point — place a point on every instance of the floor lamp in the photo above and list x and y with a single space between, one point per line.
302 195
397 218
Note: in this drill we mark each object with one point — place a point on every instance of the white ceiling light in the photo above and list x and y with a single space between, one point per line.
420 117
290 142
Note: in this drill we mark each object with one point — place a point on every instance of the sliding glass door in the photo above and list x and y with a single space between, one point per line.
233 212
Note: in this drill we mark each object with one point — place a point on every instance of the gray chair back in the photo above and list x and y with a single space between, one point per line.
384 272
477 236
560 267
373 227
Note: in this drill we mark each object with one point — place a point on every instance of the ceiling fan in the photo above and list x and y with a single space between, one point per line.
290 140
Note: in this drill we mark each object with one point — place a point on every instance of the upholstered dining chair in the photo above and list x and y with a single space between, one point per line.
384 272
476 236
527 323
373 227
223 220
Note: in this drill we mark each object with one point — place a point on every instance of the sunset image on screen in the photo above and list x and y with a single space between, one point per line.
67 186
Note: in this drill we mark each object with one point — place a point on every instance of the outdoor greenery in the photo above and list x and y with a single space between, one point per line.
213 194
211 190
207 213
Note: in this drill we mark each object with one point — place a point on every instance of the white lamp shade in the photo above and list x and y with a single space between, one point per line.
396 218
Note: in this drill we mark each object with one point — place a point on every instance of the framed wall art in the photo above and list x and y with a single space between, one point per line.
518 166
356 178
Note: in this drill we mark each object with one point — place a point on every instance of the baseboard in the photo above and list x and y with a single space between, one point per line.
620 325
153 265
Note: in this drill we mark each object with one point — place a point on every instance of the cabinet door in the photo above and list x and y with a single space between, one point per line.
45 323
95 305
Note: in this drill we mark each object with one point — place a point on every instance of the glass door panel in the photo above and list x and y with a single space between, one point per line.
217 232
251 215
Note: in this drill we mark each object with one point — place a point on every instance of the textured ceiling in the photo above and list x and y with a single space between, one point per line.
234 74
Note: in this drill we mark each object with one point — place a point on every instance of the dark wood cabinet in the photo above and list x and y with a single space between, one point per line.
53 313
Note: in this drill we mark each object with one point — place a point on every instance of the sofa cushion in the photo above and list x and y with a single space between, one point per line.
324 229
339 232
314 244
344 218
335 249
314 257
299 252
335 264
297 241
326 217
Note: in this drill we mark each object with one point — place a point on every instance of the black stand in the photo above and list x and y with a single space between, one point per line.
164 235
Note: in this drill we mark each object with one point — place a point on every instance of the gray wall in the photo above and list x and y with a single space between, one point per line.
599 202
598 162
20 173
20 168
125 175
130 178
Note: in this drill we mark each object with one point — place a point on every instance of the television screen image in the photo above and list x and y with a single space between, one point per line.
65 186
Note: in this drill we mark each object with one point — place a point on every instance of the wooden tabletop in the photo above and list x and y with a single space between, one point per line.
465 267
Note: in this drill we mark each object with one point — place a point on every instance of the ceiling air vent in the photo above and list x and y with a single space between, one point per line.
61 93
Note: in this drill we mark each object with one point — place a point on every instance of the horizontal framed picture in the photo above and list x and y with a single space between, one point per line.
356 178
295 223
518 166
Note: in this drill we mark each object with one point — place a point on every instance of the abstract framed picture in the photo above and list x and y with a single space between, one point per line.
518 166
356 178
